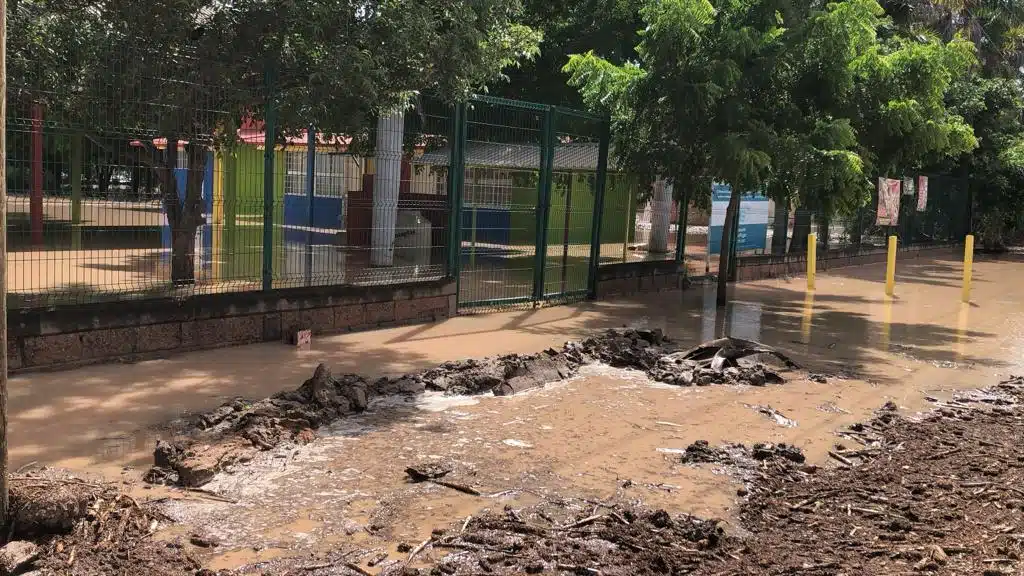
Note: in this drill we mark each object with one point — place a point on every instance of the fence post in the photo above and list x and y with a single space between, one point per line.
310 191
547 160
684 215
456 181
598 213
269 130
733 249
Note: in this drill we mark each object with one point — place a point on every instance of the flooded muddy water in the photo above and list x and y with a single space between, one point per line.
604 433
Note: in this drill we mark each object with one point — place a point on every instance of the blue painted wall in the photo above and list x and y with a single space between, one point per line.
326 211
206 244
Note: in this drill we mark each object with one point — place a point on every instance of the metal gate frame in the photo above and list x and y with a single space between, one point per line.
456 194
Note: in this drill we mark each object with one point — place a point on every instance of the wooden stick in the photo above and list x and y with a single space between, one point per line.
584 522
459 487
574 568
944 453
419 548
840 459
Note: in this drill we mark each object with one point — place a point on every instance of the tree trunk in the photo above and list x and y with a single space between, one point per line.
726 253
184 215
105 173
823 232
136 182
781 228
801 228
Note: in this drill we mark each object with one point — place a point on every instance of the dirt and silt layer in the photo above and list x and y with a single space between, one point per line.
593 503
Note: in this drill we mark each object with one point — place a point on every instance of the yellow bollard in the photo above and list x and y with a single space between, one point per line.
890 268
812 259
968 265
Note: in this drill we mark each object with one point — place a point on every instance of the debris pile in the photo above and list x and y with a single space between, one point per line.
718 362
939 494
740 456
231 432
65 525
553 537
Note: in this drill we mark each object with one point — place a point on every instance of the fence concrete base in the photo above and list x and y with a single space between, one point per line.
646 277
132 331
750 268
639 277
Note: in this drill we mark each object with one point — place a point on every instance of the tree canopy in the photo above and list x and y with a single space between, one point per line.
196 70
815 98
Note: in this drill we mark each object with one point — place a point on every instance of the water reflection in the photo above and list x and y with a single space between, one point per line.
886 322
806 317
961 329
736 319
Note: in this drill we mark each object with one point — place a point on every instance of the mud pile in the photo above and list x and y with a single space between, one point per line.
64 525
229 433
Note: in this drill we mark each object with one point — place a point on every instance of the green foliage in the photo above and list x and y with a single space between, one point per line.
989 99
812 101
198 67
570 27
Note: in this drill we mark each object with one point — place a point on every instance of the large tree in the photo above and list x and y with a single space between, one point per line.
188 73
768 92
989 97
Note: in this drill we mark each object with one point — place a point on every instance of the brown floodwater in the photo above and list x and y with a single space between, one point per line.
583 437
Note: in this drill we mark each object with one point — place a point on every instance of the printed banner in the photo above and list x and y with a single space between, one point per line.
754 212
922 193
888 202
908 186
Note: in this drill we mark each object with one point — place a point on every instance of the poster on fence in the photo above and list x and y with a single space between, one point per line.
754 213
922 193
908 186
888 202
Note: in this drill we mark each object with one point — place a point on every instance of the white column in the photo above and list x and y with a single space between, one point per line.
661 217
386 181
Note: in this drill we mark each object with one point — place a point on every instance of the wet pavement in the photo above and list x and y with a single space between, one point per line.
589 435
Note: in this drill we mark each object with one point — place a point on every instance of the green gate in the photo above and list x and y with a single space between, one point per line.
533 179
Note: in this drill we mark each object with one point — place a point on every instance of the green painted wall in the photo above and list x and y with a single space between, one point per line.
242 234
619 216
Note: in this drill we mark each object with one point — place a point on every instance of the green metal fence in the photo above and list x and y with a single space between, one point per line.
534 179
108 200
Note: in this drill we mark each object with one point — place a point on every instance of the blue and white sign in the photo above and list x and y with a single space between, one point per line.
754 215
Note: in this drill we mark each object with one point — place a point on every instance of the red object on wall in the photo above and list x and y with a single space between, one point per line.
36 200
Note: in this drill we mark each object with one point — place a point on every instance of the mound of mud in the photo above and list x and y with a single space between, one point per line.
64 525
224 435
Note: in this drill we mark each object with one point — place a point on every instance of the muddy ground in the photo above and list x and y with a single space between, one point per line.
232 433
901 493
935 494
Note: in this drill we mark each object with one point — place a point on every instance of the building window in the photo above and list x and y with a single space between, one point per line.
488 188
329 174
